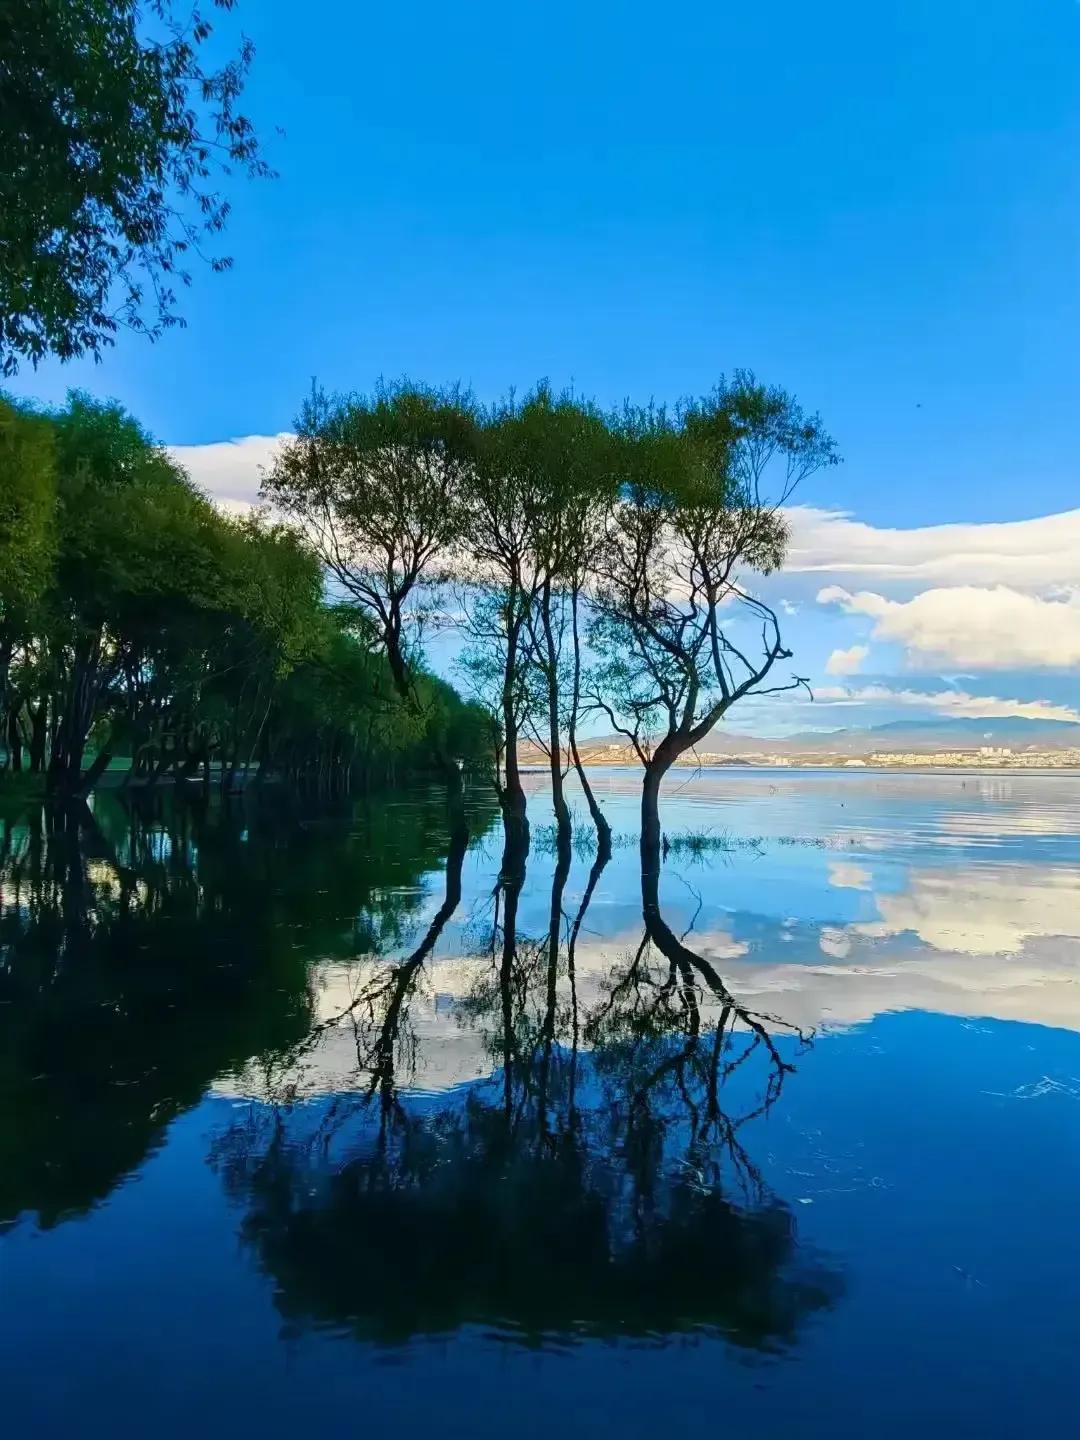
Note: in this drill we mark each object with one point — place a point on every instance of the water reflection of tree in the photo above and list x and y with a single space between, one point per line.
595 1184
148 949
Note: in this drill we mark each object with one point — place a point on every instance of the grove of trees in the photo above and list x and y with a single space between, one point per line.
138 620
595 569
598 567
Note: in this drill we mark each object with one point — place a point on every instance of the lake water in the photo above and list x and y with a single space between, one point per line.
295 1140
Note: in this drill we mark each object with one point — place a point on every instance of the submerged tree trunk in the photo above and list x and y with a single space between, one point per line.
511 880
514 807
555 918
603 829
89 779
551 675
571 969
74 720
660 762
39 735
455 800
7 648
14 740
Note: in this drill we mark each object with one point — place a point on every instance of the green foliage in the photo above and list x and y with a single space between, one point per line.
375 484
169 632
699 510
134 534
112 135
27 508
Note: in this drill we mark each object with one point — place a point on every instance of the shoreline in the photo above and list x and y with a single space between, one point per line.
845 767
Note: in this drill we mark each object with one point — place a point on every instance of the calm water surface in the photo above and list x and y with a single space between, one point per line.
310 1126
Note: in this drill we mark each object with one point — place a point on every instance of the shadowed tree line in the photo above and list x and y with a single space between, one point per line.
598 1182
137 620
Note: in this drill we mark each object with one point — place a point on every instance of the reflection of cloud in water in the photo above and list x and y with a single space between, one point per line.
836 942
445 1047
992 910
845 876
997 941
807 936
1042 988
1001 823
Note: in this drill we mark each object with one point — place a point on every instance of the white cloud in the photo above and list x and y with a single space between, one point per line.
998 628
834 942
989 911
1042 988
994 941
846 662
1036 554
228 470
845 876
948 702
972 611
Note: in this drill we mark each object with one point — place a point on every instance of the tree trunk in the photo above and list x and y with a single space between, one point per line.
514 807
511 881
663 757
74 721
190 765
39 735
94 773
558 796
599 819
7 647
14 740
455 802
555 917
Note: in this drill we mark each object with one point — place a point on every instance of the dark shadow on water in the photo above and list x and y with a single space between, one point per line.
597 1182
150 947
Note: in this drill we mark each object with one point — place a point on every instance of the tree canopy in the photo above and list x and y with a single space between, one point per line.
115 133
595 565
596 568
142 622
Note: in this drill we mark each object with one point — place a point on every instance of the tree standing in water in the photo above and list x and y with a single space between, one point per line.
376 484
560 450
682 635
499 589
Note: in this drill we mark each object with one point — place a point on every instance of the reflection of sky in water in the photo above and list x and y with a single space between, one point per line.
862 894
928 1160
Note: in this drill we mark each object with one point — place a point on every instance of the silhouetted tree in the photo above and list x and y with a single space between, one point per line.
682 635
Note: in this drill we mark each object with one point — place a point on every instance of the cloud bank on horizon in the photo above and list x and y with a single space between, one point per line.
996 601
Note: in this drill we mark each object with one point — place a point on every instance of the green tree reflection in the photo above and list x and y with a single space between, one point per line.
596 1184
147 951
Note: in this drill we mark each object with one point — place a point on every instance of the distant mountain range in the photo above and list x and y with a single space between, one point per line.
1014 732
916 737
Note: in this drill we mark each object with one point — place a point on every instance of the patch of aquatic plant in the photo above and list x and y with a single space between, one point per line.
544 839
691 844
697 843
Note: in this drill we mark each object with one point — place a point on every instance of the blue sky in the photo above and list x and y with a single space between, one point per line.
875 205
